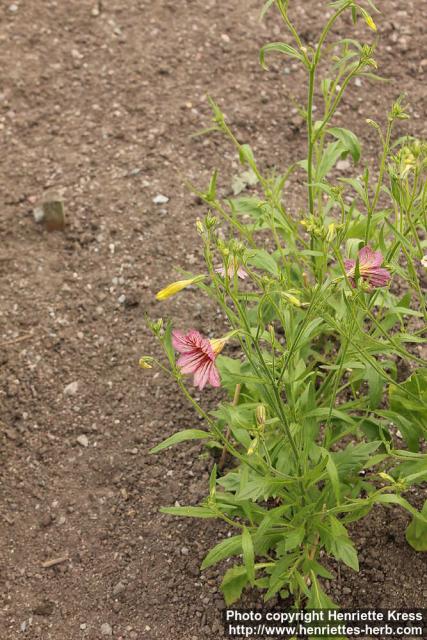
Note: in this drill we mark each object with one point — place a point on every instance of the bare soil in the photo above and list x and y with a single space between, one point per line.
98 101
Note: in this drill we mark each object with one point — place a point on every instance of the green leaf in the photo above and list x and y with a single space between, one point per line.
357 186
280 47
266 7
354 457
416 532
338 543
247 206
409 400
246 156
189 512
263 260
332 471
224 549
318 598
212 186
262 487
212 482
294 538
330 156
234 581
376 385
248 555
391 498
349 140
181 436
279 576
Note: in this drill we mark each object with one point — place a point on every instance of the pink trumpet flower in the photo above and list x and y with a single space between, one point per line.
370 268
231 271
198 356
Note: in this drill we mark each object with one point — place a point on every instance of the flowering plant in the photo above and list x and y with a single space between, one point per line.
316 422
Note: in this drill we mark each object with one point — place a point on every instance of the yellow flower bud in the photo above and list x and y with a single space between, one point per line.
144 362
385 476
292 299
331 232
176 287
253 447
369 21
218 344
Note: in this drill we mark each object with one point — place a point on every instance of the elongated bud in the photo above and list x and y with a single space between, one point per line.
145 362
253 447
218 344
292 299
261 415
331 232
373 124
305 278
368 19
199 226
156 326
385 476
176 287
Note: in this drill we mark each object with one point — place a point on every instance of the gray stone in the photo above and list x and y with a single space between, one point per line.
160 199
343 165
83 440
106 629
71 389
118 588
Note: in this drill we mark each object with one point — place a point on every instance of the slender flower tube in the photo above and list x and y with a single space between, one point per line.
176 287
197 356
370 268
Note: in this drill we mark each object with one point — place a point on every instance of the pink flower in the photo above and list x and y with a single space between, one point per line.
231 270
369 268
197 356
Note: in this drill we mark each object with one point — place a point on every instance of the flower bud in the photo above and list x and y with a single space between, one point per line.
331 232
253 447
176 287
261 415
145 362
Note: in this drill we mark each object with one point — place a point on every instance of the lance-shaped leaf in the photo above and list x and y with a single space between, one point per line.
181 436
280 47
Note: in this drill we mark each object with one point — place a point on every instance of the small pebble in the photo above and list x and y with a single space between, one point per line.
159 199
106 629
38 214
343 165
185 551
71 389
118 588
83 440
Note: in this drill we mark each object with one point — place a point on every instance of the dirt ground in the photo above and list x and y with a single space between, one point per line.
98 102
